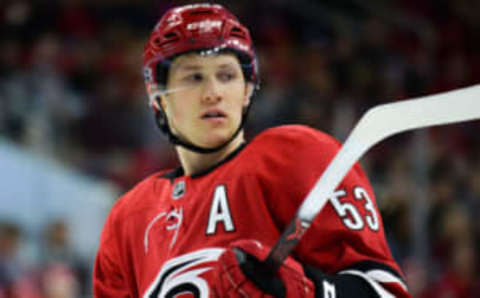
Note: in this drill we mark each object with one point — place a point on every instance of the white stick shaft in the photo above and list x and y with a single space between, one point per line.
386 120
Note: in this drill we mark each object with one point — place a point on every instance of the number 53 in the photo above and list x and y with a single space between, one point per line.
355 220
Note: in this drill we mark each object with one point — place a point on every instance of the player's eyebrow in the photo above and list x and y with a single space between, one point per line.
188 67
227 65
195 67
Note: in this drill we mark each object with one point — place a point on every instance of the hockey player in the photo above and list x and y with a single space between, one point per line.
202 230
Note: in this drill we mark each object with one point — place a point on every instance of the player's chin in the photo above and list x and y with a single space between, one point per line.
217 137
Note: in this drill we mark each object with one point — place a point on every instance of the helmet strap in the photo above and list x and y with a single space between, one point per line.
162 123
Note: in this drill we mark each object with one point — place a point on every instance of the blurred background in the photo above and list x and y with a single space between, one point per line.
76 131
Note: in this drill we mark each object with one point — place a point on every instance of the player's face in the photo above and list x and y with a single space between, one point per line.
211 92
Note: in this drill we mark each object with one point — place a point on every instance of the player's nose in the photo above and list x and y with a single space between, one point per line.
211 91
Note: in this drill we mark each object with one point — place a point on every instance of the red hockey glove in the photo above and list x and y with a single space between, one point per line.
239 273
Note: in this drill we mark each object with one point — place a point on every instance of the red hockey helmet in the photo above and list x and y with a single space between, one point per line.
204 28
197 27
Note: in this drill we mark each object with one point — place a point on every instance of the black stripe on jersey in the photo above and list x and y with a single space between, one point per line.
178 172
226 159
159 286
186 288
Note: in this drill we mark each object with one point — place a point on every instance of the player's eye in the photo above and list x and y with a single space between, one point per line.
193 78
227 76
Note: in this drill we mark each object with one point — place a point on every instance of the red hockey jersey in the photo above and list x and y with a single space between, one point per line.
163 237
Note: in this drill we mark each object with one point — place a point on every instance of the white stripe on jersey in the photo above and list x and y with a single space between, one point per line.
386 277
372 281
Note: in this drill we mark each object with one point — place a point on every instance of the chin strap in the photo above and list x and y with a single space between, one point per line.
175 140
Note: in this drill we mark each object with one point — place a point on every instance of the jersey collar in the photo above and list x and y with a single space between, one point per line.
178 172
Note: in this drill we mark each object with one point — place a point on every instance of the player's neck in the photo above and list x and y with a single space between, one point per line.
193 162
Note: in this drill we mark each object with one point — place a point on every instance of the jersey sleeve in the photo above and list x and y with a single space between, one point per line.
108 276
347 237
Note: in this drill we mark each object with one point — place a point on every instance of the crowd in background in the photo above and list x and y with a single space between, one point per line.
71 88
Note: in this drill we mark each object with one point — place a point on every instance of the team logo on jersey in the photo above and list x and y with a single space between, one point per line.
184 275
179 190
173 221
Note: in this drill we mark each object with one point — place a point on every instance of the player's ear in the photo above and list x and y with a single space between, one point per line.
249 88
158 101
161 101
156 97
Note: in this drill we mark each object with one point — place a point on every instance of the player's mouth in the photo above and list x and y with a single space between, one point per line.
214 115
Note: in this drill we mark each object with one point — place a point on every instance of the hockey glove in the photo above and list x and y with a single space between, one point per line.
240 274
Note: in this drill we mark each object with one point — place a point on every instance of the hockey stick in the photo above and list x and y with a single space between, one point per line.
375 125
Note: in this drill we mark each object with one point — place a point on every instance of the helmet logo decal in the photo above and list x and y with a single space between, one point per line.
173 20
205 26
